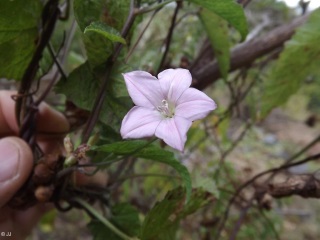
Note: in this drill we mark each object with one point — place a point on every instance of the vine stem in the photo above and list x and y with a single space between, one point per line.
94 115
169 36
103 220
140 36
49 17
286 165
150 9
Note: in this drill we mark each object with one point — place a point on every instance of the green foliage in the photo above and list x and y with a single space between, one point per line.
146 150
217 29
299 60
19 22
100 21
88 11
82 86
116 13
229 10
106 31
163 219
124 216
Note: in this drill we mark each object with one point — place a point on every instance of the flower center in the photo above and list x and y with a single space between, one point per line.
166 109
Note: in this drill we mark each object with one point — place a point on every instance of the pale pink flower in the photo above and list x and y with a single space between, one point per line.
165 107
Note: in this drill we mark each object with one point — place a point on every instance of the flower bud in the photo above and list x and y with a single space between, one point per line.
44 193
71 160
68 145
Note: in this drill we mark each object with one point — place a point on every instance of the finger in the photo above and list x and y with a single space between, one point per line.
16 162
27 219
48 122
21 222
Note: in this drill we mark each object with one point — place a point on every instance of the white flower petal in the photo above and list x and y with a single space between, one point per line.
140 122
173 131
174 82
144 89
194 104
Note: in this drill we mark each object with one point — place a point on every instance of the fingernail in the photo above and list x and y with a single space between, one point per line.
9 160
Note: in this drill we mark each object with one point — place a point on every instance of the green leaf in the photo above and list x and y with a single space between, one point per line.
98 39
113 13
229 10
106 31
116 13
162 221
299 59
19 22
88 11
108 135
82 87
97 47
124 216
144 149
217 30
100 20
199 199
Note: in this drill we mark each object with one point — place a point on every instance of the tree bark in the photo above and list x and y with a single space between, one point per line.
247 52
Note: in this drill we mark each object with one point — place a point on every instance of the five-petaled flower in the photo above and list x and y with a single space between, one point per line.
165 107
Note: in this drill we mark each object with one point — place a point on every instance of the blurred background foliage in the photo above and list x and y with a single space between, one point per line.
267 111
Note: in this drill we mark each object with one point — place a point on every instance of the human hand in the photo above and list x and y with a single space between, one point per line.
16 162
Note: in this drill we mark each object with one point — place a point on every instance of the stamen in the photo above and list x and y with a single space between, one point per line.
164 109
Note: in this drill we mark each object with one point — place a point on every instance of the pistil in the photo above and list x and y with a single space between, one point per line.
165 109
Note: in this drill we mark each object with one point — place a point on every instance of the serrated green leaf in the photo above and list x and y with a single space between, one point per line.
217 30
299 59
99 40
200 197
124 216
143 149
97 47
106 31
229 10
88 11
116 13
163 219
82 87
19 21
99 44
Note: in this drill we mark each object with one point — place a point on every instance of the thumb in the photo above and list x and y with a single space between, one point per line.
16 161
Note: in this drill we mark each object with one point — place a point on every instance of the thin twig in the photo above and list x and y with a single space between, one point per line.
169 36
140 36
50 16
295 156
152 8
94 115
69 39
185 15
249 182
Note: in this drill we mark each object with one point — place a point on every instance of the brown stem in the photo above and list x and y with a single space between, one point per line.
94 115
306 185
49 17
247 52
249 182
169 36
